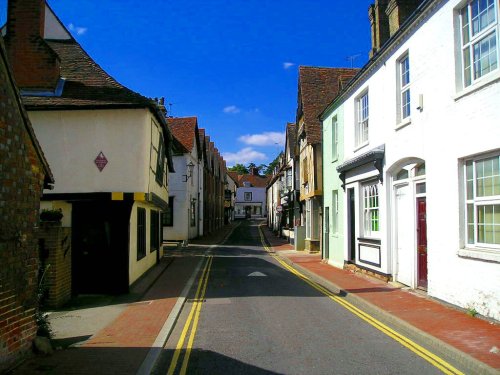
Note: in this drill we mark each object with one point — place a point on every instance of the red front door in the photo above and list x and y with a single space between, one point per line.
422 242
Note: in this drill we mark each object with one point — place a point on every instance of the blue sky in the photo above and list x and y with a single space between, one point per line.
233 64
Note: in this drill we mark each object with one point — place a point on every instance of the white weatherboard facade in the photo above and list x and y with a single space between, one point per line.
273 201
250 199
422 180
186 198
128 138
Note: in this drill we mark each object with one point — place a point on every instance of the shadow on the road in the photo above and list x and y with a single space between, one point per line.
126 361
208 362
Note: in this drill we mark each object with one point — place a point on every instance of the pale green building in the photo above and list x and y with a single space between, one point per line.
333 193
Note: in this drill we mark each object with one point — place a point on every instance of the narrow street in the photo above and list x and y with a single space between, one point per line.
246 313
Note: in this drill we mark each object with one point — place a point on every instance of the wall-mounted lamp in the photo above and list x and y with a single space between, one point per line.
190 167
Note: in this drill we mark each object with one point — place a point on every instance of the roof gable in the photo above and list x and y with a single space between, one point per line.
185 129
317 88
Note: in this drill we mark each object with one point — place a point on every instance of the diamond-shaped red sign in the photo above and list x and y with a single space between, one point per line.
101 161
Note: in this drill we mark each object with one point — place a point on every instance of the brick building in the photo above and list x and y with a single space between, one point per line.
24 172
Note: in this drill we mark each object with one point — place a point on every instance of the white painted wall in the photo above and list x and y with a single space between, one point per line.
183 193
71 141
258 197
453 124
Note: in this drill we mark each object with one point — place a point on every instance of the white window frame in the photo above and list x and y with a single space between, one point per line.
335 211
289 178
471 71
246 195
371 209
473 202
361 136
335 138
404 82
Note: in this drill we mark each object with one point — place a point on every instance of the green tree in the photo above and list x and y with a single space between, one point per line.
270 168
240 168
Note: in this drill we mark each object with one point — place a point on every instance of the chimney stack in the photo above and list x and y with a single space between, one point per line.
254 171
35 65
398 11
379 25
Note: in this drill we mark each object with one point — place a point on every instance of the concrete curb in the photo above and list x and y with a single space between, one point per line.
457 358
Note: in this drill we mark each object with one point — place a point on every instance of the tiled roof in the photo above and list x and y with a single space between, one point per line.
255 181
86 83
317 88
201 133
184 130
291 137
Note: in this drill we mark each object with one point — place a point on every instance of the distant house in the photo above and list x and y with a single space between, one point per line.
109 150
24 172
316 88
282 201
250 195
229 197
183 219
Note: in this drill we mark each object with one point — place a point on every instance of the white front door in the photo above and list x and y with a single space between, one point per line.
404 231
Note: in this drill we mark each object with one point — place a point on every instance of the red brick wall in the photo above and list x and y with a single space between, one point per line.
21 181
34 63
57 249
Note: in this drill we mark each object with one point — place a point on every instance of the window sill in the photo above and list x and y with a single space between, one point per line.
490 255
478 85
402 124
357 148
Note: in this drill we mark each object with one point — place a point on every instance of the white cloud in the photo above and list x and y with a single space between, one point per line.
244 156
264 139
287 65
231 109
77 29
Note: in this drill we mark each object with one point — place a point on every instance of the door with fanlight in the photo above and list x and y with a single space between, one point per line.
404 235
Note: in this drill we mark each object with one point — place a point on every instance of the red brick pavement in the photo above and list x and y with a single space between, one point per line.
473 336
122 346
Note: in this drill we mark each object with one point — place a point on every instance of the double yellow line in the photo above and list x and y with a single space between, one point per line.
438 362
194 316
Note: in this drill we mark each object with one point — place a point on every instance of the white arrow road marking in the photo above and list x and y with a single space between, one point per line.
257 273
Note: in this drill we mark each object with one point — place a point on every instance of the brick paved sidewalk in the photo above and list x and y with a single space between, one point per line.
121 346
475 337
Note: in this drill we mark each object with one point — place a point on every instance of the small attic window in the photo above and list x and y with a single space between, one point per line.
247 184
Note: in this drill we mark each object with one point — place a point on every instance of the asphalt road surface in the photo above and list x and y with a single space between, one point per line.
247 314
